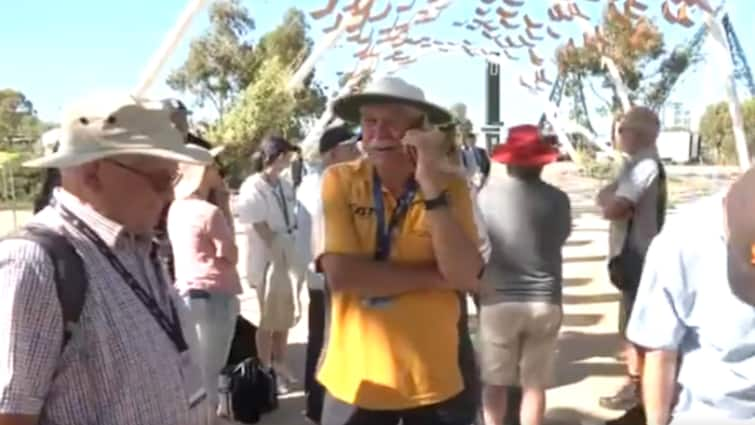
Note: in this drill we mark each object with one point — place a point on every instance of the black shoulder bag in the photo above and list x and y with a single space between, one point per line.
247 391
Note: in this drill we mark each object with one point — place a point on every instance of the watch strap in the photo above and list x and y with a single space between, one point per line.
437 202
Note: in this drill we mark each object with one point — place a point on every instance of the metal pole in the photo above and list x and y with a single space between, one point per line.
168 46
721 50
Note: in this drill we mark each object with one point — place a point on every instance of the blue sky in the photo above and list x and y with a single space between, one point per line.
55 50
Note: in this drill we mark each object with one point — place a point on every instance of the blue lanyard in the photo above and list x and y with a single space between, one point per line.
172 325
384 233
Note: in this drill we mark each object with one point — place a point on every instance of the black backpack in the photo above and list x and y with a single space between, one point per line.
70 277
247 391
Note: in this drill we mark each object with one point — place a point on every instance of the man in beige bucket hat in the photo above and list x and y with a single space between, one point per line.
124 358
396 240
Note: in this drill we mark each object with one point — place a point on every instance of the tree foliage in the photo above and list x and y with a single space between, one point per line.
265 104
717 134
290 45
17 117
265 107
636 45
246 80
224 61
219 62
20 128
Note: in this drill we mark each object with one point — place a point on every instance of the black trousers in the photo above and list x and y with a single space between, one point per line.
314 392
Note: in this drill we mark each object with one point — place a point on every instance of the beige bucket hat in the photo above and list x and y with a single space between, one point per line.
389 90
109 124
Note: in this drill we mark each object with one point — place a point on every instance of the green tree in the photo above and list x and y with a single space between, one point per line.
290 45
225 60
258 101
633 42
17 115
265 107
717 134
20 128
220 61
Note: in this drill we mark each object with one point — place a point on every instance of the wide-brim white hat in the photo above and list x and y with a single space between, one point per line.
106 125
389 90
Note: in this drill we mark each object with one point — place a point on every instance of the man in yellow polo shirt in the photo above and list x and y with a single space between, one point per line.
396 239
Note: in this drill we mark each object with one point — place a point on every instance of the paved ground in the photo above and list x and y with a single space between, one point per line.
587 356
588 365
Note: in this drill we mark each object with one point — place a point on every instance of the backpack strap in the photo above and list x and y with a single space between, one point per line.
70 277
662 196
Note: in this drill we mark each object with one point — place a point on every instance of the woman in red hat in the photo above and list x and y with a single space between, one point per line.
528 222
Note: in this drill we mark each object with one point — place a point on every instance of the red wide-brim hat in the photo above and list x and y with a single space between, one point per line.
525 147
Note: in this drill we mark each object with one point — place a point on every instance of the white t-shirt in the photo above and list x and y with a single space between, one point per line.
260 202
309 197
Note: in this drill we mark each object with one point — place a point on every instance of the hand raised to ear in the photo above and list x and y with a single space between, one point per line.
434 167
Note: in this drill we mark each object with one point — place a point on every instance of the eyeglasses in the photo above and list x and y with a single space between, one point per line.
160 181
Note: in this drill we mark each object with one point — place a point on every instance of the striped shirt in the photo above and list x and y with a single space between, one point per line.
120 367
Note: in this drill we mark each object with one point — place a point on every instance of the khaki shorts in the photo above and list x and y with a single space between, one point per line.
518 343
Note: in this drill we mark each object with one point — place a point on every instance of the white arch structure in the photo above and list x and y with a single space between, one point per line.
433 9
564 126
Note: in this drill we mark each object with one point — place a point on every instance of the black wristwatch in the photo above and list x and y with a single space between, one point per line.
439 201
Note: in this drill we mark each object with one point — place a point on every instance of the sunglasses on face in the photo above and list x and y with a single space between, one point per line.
160 181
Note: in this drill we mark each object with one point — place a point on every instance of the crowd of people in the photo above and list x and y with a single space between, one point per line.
120 299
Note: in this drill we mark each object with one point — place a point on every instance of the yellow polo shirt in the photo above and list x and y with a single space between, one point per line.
405 354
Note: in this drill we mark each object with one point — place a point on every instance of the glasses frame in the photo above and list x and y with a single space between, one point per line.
156 182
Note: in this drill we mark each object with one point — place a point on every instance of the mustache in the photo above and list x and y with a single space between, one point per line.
385 146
